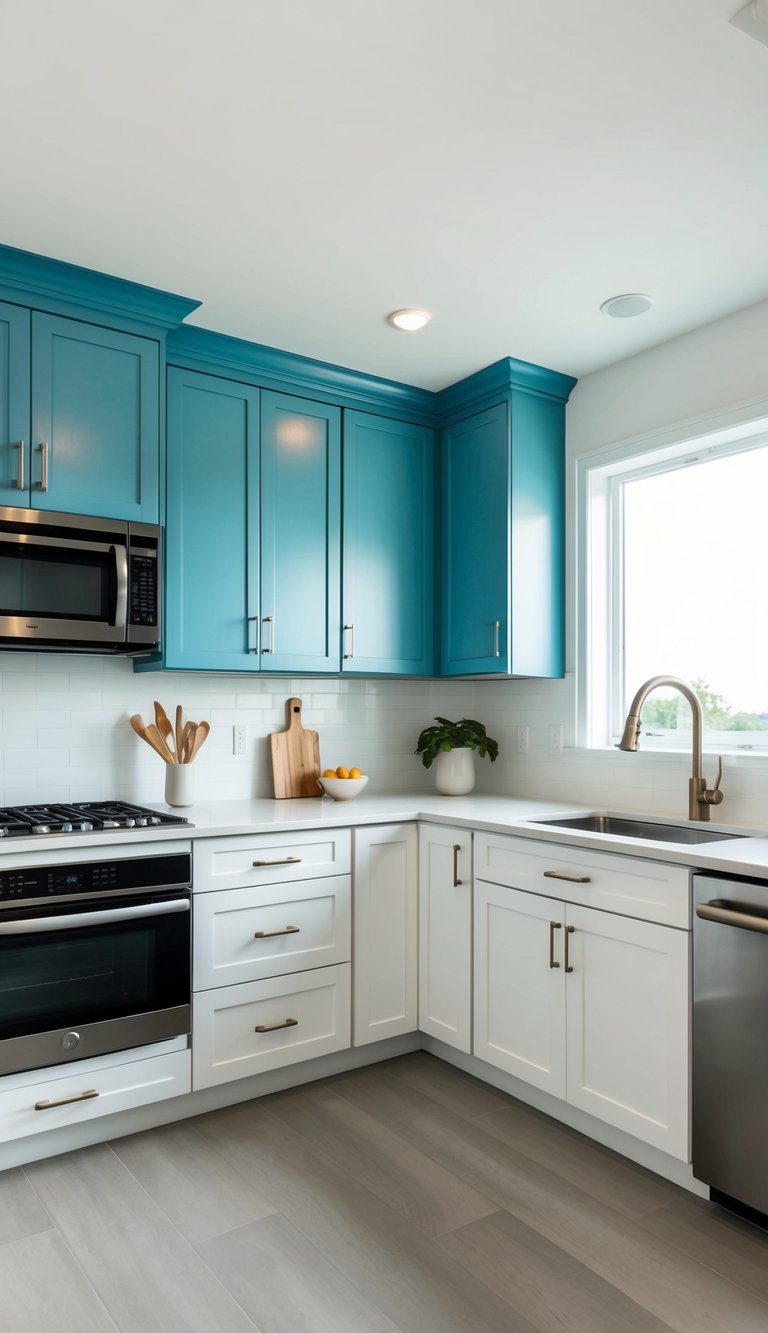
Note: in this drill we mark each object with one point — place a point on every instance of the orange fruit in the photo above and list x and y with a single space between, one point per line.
355 773
329 773
342 772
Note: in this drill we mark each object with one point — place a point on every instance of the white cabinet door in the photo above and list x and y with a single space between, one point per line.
385 946
627 1024
519 985
445 934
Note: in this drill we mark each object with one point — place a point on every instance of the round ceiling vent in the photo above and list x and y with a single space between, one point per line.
627 306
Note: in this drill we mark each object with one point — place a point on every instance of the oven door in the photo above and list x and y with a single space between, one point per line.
63 589
82 979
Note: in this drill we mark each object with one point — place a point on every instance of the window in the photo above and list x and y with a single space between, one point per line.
675 550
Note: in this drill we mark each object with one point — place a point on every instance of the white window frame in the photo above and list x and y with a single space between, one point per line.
599 582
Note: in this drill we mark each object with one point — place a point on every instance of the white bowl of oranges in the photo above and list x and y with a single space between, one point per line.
343 784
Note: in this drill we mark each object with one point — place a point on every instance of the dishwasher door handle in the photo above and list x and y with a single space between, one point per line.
724 915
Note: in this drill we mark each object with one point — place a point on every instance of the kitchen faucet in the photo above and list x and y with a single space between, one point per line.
700 796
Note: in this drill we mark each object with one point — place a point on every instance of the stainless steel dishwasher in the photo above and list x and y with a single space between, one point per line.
730 1041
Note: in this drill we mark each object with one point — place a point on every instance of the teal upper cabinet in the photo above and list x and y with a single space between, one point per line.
212 531
387 584
300 511
95 420
502 513
14 406
252 534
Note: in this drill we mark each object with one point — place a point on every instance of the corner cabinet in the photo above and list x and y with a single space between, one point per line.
384 941
388 536
79 414
502 523
252 565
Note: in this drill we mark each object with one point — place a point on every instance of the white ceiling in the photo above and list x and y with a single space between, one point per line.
305 166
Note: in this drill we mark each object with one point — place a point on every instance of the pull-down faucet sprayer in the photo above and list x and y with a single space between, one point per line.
700 796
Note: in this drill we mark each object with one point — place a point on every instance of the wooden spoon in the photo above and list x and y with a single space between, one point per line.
199 739
152 734
179 730
166 730
155 741
187 737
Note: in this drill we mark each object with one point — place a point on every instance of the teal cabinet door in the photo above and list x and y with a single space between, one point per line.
212 529
95 420
300 511
387 547
502 540
475 544
14 406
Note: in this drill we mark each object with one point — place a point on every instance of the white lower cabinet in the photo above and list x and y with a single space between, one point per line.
385 906
261 1025
445 934
590 1006
74 1094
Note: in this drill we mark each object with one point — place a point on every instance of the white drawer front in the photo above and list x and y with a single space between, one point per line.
228 863
119 1088
251 933
226 1045
648 890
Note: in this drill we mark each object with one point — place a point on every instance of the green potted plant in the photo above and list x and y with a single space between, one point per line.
453 744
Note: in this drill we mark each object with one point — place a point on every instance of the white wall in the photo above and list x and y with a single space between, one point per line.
716 367
65 733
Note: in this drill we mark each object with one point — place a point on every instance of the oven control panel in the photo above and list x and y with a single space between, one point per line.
70 880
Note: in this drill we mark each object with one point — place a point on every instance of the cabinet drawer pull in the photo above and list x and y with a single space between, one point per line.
270 620
20 467
267 934
273 1027
496 628
282 861
351 653
456 850
553 926
65 1101
568 932
567 875
43 447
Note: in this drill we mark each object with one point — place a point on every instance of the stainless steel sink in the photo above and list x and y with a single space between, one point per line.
617 827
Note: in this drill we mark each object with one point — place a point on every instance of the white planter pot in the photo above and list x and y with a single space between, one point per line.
455 772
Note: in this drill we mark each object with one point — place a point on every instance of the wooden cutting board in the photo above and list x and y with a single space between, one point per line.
295 755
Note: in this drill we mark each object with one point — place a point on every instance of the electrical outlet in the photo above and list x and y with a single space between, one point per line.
238 740
522 740
556 738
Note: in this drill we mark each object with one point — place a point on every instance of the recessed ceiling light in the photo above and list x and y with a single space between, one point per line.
409 321
627 306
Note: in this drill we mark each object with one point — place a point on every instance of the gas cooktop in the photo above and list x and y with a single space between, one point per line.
19 821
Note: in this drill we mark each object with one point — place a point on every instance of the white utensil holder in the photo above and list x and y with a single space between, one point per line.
179 784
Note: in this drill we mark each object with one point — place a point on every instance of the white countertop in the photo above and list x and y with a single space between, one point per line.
746 855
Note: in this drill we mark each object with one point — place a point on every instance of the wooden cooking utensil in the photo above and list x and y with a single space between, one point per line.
166 730
151 734
137 722
179 729
295 755
198 740
187 738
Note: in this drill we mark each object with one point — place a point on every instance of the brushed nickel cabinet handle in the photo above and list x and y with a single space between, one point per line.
568 932
351 628
20 467
250 621
456 850
553 926
269 620
282 861
47 1105
267 934
568 876
496 628
274 1027
43 447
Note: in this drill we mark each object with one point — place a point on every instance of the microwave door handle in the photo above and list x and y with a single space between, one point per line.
43 924
118 588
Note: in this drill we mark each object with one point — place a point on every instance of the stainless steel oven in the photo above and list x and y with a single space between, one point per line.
94 956
74 583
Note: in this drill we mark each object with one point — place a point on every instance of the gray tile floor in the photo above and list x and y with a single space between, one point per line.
404 1198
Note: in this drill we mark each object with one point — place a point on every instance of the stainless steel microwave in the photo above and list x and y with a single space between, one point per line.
72 583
